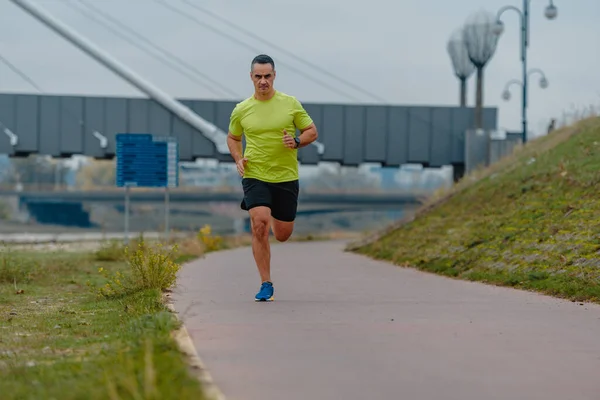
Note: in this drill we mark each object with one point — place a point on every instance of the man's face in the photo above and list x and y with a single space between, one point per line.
263 76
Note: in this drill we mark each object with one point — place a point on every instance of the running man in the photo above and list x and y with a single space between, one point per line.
269 164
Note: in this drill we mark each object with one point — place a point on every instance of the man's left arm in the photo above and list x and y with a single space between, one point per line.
305 124
308 135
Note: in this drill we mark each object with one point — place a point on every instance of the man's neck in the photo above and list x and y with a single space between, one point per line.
264 97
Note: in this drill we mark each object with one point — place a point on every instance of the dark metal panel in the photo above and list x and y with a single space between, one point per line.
223 114
308 155
138 116
490 118
462 119
333 132
203 147
353 142
183 132
7 120
419 131
115 122
397 137
26 123
94 121
49 140
441 140
160 119
376 134
71 125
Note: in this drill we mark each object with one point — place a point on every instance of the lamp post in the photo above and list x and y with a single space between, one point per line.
461 64
543 82
550 13
480 41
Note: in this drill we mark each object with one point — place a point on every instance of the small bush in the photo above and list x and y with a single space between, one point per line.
110 251
16 269
149 267
210 242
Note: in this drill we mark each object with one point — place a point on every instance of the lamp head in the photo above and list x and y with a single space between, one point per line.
551 11
506 95
498 28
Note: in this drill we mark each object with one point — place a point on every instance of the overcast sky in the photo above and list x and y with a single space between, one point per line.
396 49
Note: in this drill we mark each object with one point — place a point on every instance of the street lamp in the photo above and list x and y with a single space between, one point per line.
462 65
543 82
480 42
550 13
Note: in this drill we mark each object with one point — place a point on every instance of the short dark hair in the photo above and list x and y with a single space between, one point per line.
262 59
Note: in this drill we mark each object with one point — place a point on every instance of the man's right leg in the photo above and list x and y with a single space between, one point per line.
260 224
257 200
260 218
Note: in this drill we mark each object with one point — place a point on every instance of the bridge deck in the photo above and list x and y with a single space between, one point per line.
208 196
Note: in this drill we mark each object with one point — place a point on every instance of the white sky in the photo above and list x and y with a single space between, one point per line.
396 49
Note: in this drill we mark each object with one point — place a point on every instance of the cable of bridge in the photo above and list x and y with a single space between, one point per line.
196 20
164 59
283 50
256 50
20 72
410 112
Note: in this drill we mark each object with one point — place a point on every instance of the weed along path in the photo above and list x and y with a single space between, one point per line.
343 326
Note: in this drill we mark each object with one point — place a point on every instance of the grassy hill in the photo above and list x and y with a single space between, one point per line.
531 221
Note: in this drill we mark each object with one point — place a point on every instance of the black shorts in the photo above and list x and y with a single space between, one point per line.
281 198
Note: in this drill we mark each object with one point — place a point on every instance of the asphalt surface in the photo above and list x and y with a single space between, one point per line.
345 327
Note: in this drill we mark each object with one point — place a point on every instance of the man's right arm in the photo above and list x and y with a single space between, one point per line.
234 137
235 146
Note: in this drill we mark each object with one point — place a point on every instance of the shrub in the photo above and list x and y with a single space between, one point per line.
210 242
111 250
16 269
149 267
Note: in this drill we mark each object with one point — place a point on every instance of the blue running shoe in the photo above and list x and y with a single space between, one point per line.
265 293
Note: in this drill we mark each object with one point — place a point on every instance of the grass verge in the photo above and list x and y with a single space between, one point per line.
64 336
531 222
94 324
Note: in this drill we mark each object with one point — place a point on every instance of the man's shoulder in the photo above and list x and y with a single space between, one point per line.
243 105
286 97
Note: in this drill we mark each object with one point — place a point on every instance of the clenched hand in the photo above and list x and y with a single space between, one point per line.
288 140
241 164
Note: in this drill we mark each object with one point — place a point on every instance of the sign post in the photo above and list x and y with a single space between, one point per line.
146 160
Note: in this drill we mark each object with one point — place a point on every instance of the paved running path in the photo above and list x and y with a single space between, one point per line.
345 327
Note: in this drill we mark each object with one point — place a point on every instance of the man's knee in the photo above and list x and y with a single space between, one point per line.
282 236
282 230
260 224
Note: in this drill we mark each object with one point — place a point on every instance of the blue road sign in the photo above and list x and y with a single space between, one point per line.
146 160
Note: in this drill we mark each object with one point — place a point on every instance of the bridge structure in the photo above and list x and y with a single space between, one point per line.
198 197
349 134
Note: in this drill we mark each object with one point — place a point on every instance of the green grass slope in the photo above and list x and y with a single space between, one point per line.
531 222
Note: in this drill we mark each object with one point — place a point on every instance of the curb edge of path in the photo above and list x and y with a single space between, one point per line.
186 346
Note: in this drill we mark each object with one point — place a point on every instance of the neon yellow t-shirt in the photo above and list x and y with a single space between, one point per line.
263 123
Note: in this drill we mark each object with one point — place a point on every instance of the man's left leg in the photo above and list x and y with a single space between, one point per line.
282 230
